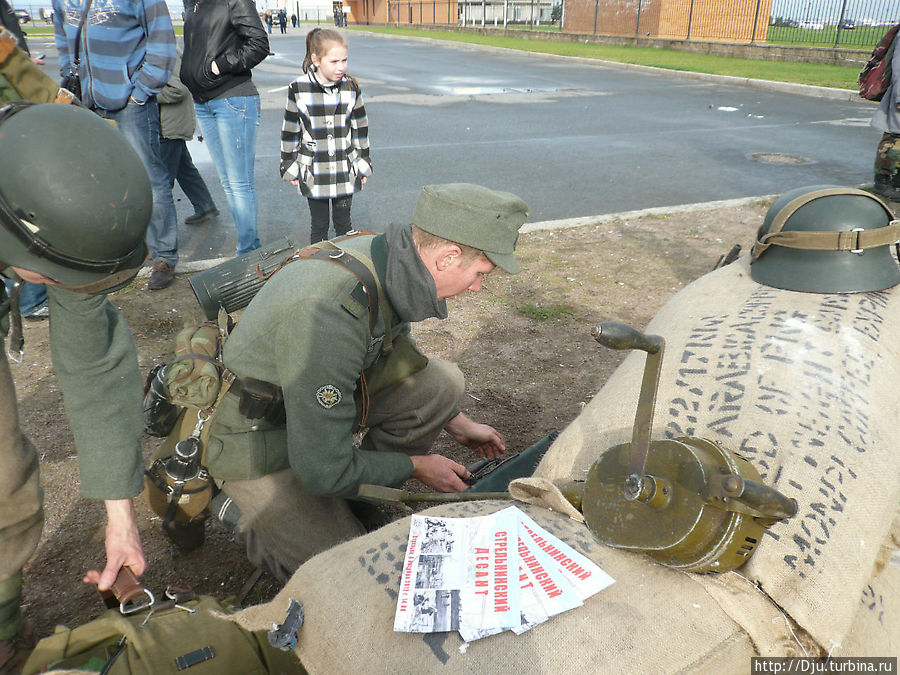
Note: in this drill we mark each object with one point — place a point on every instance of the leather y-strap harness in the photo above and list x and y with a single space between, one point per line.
364 270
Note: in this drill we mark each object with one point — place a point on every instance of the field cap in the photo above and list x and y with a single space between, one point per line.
475 216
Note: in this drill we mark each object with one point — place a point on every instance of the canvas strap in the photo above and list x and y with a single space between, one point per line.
364 270
855 241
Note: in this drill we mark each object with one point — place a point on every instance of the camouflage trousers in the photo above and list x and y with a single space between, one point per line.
887 157
21 503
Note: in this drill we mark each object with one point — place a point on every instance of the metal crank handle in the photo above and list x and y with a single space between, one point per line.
617 335
765 500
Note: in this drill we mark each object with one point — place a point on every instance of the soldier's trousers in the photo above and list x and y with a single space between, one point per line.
887 156
283 525
21 499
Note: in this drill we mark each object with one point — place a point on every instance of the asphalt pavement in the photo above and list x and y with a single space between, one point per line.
575 138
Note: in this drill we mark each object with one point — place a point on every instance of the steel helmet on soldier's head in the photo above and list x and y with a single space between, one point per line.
75 199
827 239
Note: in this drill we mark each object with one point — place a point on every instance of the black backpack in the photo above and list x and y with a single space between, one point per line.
875 77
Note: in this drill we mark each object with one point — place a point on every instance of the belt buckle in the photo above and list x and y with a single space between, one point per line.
857 251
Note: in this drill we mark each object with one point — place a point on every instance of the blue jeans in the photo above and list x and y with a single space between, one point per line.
31 298
229 126
140 125
180 166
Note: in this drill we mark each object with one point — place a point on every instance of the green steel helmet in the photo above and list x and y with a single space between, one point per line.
75 199
827 239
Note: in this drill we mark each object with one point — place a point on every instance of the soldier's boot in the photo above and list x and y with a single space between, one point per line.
887 186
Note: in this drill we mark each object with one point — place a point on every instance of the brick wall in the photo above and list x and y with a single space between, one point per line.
762 52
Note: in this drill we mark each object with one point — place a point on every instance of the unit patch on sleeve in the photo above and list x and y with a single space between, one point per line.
328 395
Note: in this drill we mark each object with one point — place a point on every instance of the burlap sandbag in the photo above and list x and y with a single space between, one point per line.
803 385
879 605
651 620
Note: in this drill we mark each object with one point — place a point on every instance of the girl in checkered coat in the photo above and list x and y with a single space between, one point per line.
325 135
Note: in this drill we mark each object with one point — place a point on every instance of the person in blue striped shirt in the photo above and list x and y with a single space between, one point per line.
124 57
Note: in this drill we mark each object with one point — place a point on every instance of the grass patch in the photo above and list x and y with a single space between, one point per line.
822 75
541 313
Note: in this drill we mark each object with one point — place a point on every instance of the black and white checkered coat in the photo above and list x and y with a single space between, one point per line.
325 138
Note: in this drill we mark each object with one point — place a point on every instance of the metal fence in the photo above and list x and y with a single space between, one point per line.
852 24
503 13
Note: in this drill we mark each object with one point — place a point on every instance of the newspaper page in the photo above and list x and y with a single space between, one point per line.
586 577
545 591
484 575
491 595
434 573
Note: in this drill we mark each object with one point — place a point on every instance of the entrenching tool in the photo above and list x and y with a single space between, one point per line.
687 502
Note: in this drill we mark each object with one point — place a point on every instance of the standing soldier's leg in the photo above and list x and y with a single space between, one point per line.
21 512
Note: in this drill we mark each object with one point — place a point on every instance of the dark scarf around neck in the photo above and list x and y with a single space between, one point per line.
407 282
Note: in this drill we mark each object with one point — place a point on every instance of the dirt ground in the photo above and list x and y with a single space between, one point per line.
524 344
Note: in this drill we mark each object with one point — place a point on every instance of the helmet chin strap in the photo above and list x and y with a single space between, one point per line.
854 241
108 283
13 223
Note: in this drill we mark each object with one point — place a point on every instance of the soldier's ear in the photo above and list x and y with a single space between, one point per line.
447 256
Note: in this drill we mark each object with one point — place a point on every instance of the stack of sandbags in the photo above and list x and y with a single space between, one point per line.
802 385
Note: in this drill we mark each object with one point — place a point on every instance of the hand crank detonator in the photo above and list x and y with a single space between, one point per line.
687 502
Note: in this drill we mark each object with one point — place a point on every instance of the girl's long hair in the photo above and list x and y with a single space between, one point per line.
315 44
316 40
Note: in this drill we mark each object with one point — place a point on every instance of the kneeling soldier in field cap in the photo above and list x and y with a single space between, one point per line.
360 404
74 209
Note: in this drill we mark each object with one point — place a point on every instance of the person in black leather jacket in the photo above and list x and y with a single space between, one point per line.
223 41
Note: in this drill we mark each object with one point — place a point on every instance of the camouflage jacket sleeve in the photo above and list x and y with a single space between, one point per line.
20 78
95 360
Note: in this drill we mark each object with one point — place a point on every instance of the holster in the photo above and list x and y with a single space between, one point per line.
259 399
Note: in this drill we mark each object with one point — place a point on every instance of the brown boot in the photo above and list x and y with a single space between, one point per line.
15 651
162 274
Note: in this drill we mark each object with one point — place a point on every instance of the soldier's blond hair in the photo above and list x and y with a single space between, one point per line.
425 241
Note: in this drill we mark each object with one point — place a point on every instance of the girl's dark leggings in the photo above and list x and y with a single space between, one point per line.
318 211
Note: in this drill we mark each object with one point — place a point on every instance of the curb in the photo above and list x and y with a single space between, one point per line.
567 223
544 225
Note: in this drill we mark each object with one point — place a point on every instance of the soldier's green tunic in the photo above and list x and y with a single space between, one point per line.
308 331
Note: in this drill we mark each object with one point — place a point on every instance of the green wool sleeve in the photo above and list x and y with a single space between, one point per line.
325 347
95 360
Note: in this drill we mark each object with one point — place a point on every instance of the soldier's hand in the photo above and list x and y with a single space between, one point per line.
486 441
123 545
439 472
